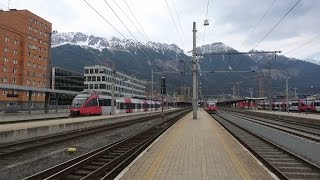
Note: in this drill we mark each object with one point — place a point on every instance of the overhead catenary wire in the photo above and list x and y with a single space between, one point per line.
178 17
260 20
104 19
302 45
175 24
141 33
136 20
276 24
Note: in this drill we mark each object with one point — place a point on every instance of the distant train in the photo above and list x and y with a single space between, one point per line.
92 103
294 105
210 106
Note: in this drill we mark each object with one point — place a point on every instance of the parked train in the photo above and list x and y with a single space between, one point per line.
88 103
294 105
210 106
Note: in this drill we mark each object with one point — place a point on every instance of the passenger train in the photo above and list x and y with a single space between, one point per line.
210 106
94 103
294 105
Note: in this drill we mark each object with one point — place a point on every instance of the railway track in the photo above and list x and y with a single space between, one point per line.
283 163
107 162
27 145
302 130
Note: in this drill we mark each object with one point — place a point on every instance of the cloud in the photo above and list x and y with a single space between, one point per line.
230 21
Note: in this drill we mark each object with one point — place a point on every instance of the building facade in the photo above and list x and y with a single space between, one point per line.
25 40
65 80
100 78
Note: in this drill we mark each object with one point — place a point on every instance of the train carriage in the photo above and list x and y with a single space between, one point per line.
88 103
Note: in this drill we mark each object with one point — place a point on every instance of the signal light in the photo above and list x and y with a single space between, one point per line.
163 85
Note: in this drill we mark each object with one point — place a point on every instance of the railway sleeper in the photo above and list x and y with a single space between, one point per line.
72 177
302 175
296 169
81 172
263 152
97 163
90 167
102 159
287 164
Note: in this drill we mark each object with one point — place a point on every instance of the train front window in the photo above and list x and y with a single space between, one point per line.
78 102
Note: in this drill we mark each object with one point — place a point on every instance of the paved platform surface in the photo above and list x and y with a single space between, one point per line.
64 121
20 117
302 114
196 149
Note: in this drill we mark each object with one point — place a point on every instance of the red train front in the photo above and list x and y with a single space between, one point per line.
211 106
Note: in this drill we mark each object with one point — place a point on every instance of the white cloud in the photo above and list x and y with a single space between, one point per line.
230 21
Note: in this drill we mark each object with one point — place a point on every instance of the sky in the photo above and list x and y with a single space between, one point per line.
236 23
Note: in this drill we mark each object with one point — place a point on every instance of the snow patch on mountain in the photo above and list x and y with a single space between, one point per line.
100 43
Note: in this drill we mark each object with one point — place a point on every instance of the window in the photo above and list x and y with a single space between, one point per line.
96 86
91 71
33 83
39 66
44 58
6 49
34 65
5 80
30 28
29 64
14 70
15 51
89 78
29 55
30 19
28 73
28 82
5 69
86 71
39 57
29 37
4 92
34 74
34 56
92 102
16 42
91 86
15 61
14 80
104 102
98 78
6 39
96 71
6 59
93 78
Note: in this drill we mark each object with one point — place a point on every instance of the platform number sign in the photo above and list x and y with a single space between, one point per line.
163 85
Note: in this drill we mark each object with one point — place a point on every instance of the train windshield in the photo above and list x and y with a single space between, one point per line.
78 101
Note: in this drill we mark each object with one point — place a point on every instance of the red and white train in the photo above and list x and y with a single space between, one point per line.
87 103
294 105
211 106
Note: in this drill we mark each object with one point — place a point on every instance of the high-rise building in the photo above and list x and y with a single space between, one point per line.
25 42
99 78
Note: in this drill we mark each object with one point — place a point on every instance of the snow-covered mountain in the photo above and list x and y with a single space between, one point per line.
217 47
100 43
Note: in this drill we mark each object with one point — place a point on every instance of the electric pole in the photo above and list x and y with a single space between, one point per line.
112 88
251 92
194 73
295 92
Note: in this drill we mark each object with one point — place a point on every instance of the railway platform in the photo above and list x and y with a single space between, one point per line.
293 114
11 132
196 149
22 117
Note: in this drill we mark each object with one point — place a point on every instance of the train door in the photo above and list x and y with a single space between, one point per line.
92 107
128 103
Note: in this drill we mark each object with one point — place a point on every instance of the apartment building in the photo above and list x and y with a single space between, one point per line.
24 53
